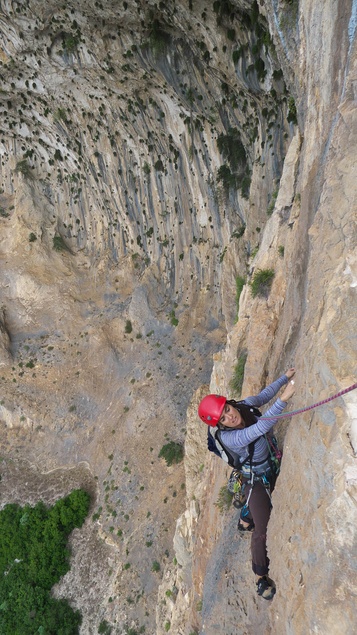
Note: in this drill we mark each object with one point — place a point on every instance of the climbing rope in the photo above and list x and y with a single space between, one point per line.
315 405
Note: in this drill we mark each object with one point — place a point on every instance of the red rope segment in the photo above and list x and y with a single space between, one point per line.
315 405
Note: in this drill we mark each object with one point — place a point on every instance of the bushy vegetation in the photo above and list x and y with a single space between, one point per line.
261 282
235 175
59 244
271 205
128 327
22 167
155 566
105 628
173 319
236 382
223 9
70 43
240 282
159 38
226 177
232 148
224 499
33 556
172 452
292 113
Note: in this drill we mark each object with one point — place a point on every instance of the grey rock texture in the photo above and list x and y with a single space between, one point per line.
149 158
308 320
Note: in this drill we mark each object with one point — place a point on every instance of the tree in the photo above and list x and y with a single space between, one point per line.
33 557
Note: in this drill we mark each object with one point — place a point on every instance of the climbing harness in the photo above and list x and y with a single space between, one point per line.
274 453
315 405
243 473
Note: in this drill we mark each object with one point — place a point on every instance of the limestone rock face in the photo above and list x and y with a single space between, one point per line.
5 352
308 320
154 157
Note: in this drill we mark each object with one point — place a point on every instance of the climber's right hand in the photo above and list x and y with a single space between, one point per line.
288 391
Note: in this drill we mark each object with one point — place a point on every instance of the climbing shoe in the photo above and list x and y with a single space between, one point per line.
247 529
266 588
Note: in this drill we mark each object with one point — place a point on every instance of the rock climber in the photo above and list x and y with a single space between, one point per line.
243 434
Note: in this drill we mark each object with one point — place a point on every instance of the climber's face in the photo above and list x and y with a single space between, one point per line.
231 418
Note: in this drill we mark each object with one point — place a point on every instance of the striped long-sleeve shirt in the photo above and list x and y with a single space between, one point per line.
239 440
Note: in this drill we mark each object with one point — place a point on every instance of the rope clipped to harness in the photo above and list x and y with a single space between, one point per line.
274 453
315 405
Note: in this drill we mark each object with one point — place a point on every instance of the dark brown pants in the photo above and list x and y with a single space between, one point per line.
259 510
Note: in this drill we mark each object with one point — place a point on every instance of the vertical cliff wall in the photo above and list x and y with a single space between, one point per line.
141 144
309 320
154 155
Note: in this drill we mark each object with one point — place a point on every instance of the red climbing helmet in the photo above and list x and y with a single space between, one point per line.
211 408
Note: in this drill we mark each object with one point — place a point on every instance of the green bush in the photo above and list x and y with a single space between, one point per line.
173 319
292 114
172 453
240 282
226 177
231 148
261 282
159 39
238 233
245 185
70 42
236 382
271 205
104 628
60 114
59 244
235 175
260 68
128 327
24 168
236 56
224 499
33 557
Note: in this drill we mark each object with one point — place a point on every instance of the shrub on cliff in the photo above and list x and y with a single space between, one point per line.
292 113
235 175
240 282
172 453
232 149
128 327
22 167
236 382
59 244
224 499
261 282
